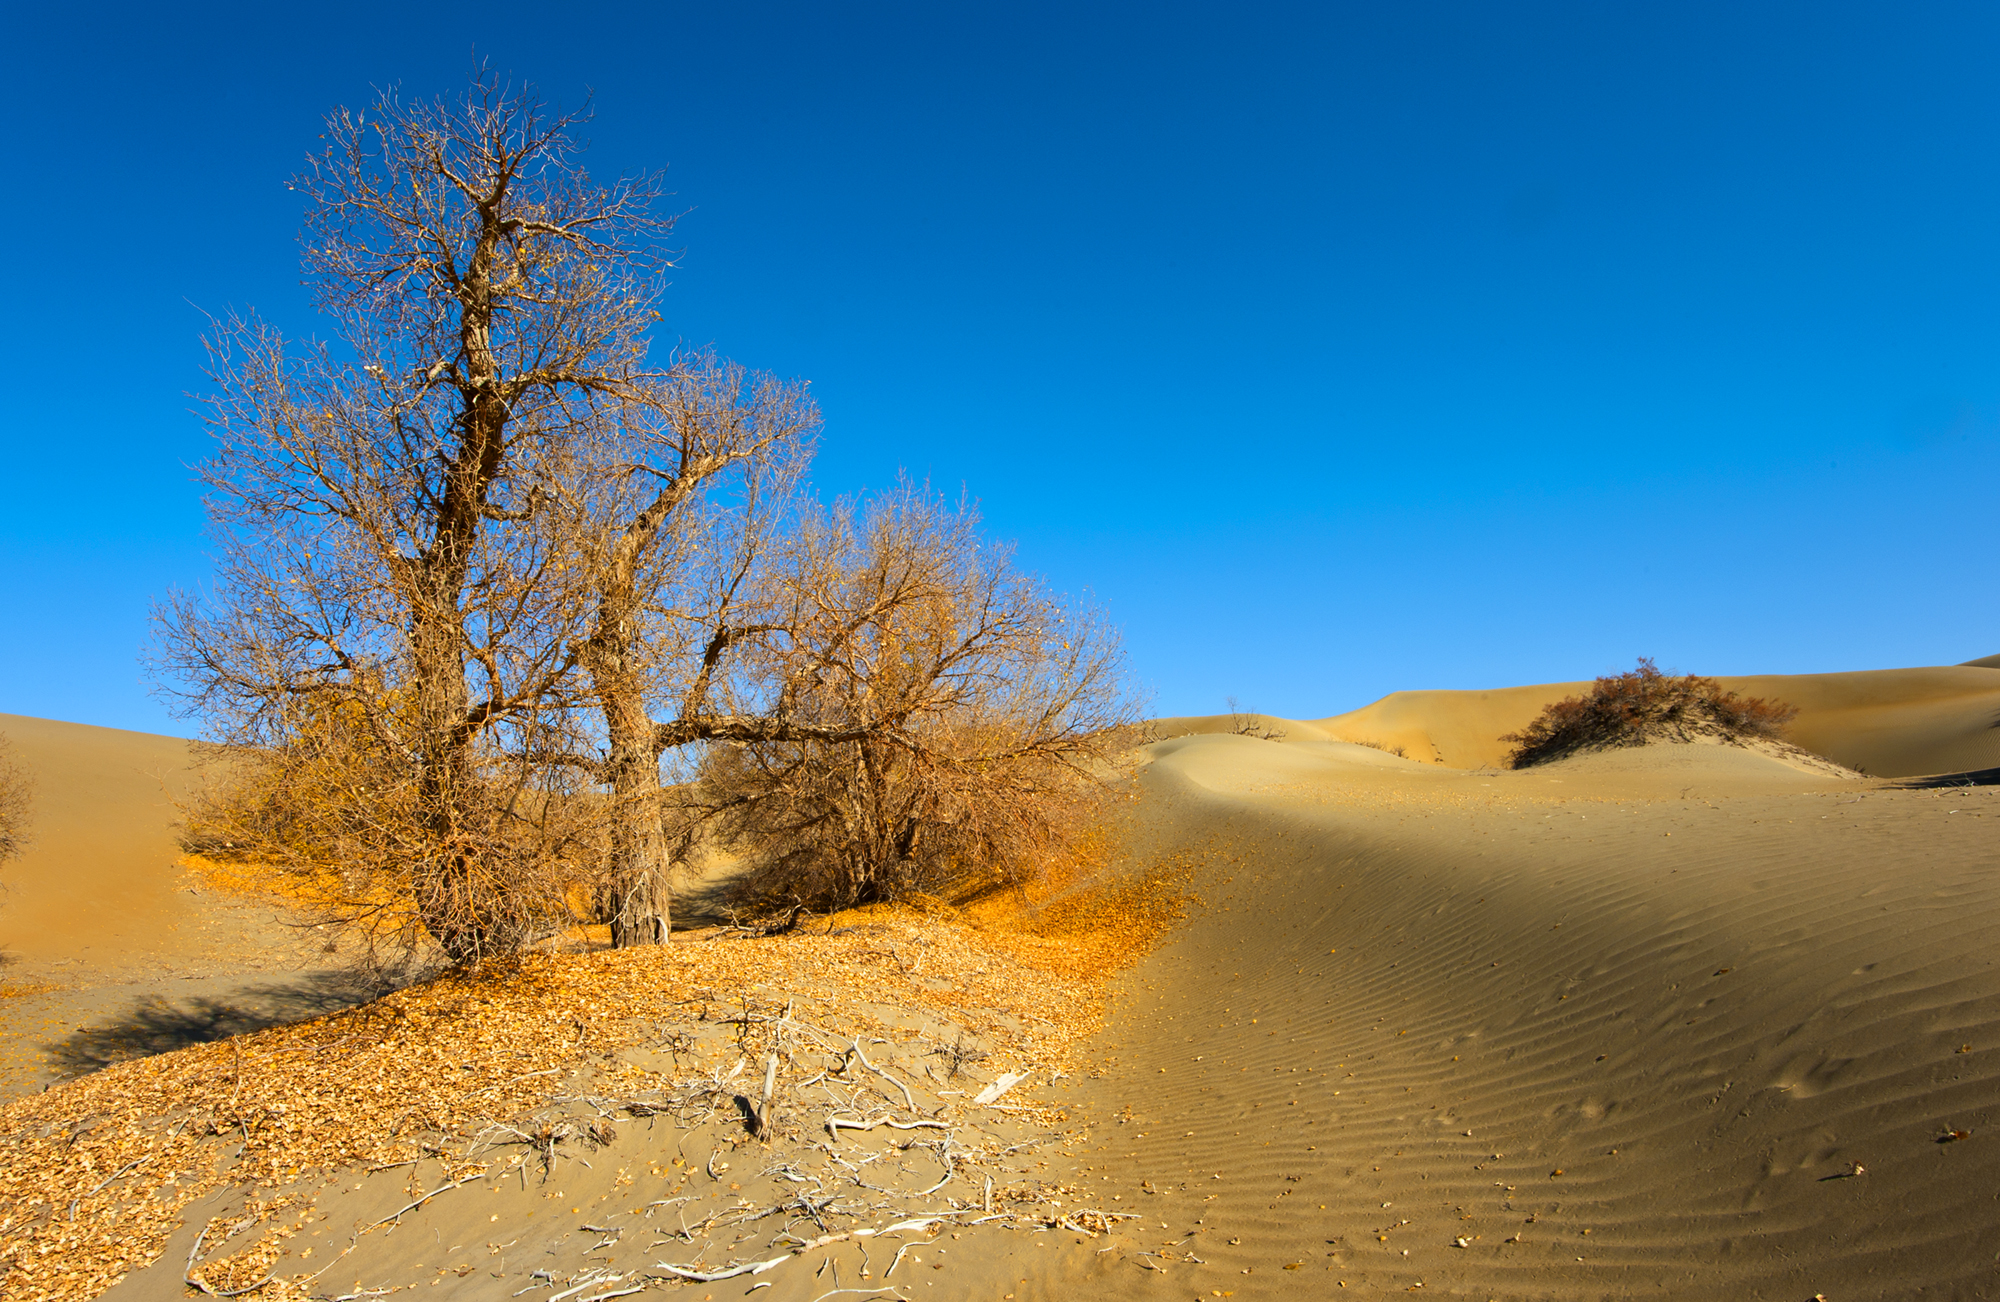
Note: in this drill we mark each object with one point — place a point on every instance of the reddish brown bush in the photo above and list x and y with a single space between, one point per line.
1642 705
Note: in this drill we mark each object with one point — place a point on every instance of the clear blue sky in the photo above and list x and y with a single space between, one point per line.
1335 348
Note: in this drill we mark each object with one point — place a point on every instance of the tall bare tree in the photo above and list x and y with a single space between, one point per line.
482 567
382 503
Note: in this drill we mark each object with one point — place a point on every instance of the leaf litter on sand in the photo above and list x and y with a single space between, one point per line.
96 1174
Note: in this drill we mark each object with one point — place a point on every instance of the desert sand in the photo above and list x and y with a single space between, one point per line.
109 949
1686 1021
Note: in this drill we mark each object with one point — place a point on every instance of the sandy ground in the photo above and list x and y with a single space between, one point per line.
1679 1021
110 951
1620 1027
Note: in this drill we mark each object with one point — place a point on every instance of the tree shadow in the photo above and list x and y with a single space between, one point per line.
1972 778
160 1025
711 902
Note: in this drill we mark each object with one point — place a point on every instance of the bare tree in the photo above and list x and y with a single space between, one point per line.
17 793
938 719
389 558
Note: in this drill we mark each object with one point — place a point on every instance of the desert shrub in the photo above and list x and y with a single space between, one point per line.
950 723
1642 705
16 802
1251 724
1376 743
833 826
334 818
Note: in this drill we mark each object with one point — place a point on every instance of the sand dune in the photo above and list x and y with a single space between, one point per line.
110 950
99 875
1565 1033
1888 722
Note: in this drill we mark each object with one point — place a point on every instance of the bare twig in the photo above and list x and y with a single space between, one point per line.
834 1125
710 1276
854 1048
410 1207
194 1281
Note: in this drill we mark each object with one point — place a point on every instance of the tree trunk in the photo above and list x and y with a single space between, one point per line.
447 902
640 905
461 899
636 890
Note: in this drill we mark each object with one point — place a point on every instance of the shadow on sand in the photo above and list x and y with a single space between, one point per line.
710 902
160 1025
1974 778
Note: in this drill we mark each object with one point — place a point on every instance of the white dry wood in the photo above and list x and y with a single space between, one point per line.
710 1276
594 1280
834 1125
764 1106
921 1223
1008 1080
854 1047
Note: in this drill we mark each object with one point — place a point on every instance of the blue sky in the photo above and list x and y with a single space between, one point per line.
1334 349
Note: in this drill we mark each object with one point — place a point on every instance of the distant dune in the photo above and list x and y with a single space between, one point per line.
1886 722
98 922
100 873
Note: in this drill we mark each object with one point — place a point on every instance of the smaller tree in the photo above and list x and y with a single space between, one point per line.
17 792
1642 705
940 721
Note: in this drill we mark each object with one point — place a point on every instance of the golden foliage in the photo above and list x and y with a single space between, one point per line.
95 1174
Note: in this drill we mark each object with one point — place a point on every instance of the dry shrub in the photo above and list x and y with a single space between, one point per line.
1251 724
17 789
1376 743
336 822
845 824
1643 705
952 724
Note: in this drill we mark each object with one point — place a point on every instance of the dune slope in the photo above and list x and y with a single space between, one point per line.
99 873
1689 1028
111 952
